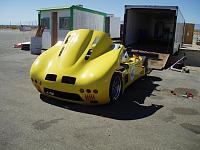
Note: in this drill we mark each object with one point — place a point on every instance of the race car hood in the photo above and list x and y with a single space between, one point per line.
79 42
84 53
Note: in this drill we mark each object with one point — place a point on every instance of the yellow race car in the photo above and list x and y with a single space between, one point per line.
87 68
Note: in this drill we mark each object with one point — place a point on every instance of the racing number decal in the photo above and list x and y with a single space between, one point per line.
132 73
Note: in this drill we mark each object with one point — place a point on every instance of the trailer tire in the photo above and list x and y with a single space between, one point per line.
146 65
177 52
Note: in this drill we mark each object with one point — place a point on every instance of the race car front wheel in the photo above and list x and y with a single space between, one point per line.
115 88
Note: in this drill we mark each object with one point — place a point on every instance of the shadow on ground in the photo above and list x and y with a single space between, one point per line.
192 57
128 108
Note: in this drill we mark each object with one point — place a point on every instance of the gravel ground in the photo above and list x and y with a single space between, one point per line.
148 117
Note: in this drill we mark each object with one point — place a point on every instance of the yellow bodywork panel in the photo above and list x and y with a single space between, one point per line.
80 68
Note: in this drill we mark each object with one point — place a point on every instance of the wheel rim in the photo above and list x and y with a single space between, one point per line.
116 88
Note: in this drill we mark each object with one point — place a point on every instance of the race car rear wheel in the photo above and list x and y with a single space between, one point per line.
115 88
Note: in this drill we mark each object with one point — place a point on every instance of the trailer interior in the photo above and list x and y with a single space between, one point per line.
150 29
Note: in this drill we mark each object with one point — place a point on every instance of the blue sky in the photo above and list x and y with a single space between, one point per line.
25 10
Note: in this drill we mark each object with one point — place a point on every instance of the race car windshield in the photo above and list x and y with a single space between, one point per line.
124 57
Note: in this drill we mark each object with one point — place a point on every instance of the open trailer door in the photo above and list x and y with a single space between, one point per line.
153 29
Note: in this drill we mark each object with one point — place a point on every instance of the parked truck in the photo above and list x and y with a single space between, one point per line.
153 28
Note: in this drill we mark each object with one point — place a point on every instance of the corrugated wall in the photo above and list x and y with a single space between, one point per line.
46 36
115 27
87 20
62 33
179 32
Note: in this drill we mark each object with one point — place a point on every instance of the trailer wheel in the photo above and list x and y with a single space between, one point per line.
115 90
177 52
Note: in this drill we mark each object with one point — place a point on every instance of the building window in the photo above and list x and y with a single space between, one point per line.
64 23
45 22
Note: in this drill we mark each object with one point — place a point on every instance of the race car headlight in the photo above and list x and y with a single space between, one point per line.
82 90
95 91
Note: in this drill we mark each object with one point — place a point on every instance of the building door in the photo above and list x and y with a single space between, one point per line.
54 29
189 31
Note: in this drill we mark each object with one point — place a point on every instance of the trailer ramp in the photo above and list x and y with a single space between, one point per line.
156 60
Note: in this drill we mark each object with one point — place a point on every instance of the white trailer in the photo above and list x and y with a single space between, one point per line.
112 26
153 28
58 21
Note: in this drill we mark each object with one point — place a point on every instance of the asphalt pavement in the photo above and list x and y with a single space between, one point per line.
153 114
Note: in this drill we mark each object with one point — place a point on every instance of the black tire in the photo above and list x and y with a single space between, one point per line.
177 52
115 90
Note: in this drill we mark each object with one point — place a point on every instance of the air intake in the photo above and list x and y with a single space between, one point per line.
89 53
51 77
68 80
63 95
